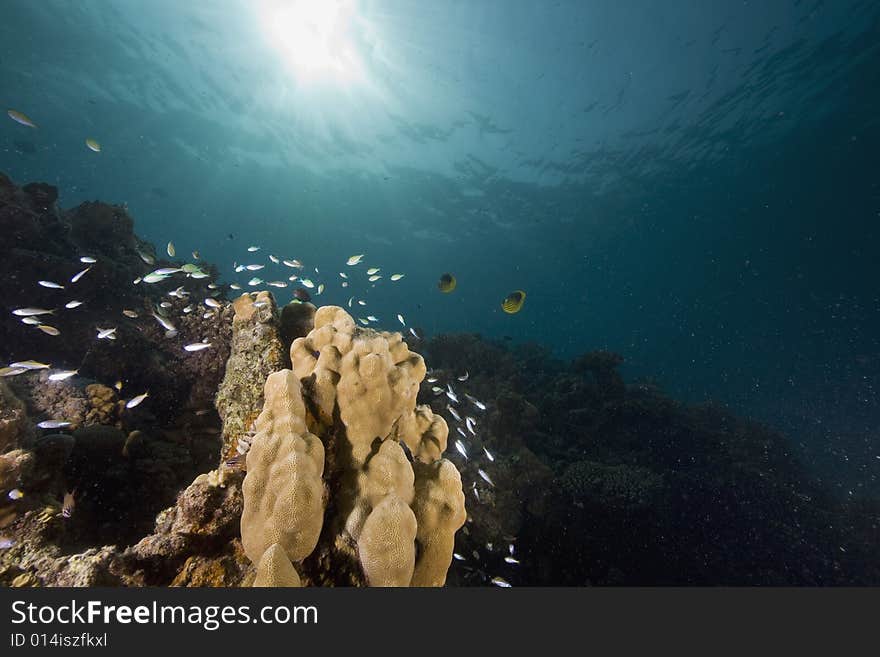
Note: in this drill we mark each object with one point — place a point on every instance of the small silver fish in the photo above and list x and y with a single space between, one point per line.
511 560
137 281
146 257
320 288
372 270
255 281
396 277
372 318
166 324
106 334
154 278
307 283
343 274
15 494
461 449
470 424
51 285
476 402
361 302
432 379
28 312
48 330
130 313
11 371
450 394
235 286
170 250
253 249
274 259
375 278
464 377
458 557
79 275
197 346
453 413
70 305
87 260
278 283
254 267
64 374
134 401
400 319
165 305
213 303
166 271
355 259
486 478
31 321
208 315
436 390
239 269
461 431
296 264
30 365
363 321
54 424
500 581
489 455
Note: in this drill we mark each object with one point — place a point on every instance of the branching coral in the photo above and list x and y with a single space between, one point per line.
330 481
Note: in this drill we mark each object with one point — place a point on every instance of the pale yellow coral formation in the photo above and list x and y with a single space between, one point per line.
283 489
439 510
393 519
386 546
275 569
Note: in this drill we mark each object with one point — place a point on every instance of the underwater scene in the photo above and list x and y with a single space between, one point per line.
466 293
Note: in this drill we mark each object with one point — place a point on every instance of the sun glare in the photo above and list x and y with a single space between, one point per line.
314 37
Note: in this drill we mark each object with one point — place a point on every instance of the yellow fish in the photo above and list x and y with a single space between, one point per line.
18 117
447 283
93 145
513 302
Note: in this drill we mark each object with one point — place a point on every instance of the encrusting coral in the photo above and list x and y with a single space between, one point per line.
345 478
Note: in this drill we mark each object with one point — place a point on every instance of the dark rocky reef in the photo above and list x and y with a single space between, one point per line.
599 482
124 464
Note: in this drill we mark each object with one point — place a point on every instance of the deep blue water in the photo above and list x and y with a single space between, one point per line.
691 184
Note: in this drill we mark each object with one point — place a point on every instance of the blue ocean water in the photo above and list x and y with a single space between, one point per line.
690 184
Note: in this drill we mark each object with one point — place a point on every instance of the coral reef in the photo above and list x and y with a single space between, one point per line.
572 476
256 351
329 486
636 488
